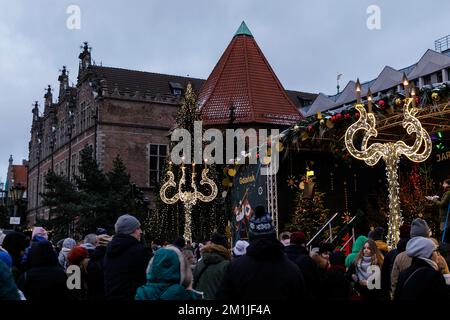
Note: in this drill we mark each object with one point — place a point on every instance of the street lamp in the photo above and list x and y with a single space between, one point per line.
2 193
16 196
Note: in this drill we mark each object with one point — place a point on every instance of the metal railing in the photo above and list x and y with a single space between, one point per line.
323 228
330 238
442 44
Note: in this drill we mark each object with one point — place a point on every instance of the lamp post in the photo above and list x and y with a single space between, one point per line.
390 152
2 193
17 192
189 198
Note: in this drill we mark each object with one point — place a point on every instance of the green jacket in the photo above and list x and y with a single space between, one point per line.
209 271
443 205
166 273
359 243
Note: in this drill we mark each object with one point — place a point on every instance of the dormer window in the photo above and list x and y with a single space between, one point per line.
176 88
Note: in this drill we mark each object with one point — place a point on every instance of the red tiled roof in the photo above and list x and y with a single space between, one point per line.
19 174
244 79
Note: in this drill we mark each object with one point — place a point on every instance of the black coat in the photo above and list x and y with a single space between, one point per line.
264 273
44 278
310 271
95 275
421 282
335 285
125 267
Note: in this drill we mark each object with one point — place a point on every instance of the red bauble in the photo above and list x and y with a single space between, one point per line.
381 104
310 128
347 116
357 115
333 119
417 100
339 116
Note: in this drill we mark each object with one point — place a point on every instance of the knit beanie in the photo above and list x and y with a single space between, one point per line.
261 226
240 248
77 254
126 224
419 228
39 231
69 243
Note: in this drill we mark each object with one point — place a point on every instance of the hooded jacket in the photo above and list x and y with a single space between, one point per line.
44 278
167 277
209 272
125 266
264 273
357 246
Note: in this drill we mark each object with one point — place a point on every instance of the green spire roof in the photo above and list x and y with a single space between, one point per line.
243 30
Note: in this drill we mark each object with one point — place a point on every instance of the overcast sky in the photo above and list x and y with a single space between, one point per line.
306 42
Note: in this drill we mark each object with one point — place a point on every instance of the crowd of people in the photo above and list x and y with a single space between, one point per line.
266 267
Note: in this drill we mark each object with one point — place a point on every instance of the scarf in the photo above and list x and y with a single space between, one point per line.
361 268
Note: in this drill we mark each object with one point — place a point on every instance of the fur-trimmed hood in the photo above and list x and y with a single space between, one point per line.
214 253
169 266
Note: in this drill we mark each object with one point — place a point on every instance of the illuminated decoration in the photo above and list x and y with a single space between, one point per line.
189 198
390 152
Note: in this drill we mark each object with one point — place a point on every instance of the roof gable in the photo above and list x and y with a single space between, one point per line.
430 62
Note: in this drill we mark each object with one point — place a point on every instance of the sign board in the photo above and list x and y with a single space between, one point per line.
14 220
249 191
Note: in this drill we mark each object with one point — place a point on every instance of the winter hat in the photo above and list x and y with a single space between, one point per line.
103 240
376 234
261 226
420 247
180 243
419 228
240 248
6 258
219 239
405 230
337 258
69 243
298 238
325 247
126 224
77 254
39 231
101 231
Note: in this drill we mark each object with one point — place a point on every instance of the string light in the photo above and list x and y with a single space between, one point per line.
189 198
390 152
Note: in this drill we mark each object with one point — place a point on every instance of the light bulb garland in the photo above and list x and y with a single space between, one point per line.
390 152
189 198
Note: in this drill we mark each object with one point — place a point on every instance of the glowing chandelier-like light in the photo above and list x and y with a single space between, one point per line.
390 151
189 198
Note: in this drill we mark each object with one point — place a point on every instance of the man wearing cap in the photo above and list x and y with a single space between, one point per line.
419 228
298 254
126 260
422 280
264 272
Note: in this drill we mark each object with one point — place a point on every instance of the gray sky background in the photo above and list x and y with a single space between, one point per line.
306 42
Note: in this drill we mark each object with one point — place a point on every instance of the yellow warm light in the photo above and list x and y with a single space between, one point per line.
390 152
189 198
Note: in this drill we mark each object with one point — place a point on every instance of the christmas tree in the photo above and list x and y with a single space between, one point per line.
309 213
168 221
90 200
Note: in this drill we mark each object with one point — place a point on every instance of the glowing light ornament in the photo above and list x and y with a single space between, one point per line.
189 198
390 152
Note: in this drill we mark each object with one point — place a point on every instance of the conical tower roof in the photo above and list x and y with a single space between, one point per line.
242 88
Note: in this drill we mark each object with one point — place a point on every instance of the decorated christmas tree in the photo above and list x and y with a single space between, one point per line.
168 221
309 213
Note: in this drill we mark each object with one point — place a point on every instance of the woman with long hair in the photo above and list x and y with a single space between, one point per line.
359 271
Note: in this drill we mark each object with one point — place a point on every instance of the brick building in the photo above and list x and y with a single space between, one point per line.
127 113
